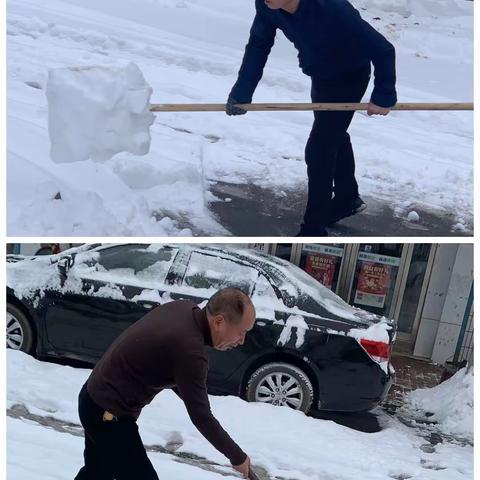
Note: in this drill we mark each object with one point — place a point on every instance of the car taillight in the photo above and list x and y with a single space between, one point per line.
379 351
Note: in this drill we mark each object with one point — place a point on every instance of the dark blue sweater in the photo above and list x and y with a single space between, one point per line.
332 40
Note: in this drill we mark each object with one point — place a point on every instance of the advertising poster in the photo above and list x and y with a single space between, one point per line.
373 284
321 267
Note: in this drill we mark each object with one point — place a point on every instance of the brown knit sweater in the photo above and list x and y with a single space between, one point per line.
167 348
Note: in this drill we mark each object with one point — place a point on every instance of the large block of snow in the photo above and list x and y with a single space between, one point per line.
95 112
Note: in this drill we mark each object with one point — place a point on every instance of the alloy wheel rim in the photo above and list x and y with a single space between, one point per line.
281 389
15 333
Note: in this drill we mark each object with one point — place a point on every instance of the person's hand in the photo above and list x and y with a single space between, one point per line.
231 109
243 468
376 110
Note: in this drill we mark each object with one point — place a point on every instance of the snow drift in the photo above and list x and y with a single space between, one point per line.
451 404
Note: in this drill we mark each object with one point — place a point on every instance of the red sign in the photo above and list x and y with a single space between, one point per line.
321 267
373 284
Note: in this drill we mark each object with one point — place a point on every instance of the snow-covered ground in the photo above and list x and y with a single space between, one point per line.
284 442
190 51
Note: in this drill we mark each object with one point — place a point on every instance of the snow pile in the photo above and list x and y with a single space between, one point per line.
96 112
286 443
451 404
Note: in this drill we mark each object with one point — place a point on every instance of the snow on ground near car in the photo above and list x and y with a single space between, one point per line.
37 452
190 51
285 442
96 112
451 404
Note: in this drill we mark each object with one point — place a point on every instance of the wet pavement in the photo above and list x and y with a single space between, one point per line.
411 373
249 210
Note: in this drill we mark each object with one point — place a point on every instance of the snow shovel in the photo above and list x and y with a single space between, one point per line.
95 112
268 107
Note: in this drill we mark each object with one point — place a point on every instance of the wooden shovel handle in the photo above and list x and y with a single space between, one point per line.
266 107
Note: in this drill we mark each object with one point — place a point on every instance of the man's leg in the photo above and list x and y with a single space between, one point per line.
325 143
113 449
321 153
95 467
345 183
126 453
329 154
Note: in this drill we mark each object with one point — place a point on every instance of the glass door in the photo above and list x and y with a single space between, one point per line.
413 294
376 272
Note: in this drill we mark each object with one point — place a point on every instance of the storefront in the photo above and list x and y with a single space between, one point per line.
395 280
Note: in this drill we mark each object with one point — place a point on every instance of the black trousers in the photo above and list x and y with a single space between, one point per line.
329 154
113 449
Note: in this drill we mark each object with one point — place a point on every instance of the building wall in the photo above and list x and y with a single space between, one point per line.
435 299
445 303
456 301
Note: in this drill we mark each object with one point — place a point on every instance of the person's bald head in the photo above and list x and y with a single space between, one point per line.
230 314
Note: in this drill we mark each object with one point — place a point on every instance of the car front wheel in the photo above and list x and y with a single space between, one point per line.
281 384
19 330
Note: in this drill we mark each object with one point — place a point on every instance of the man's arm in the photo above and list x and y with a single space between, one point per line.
381 51
191 378
260 43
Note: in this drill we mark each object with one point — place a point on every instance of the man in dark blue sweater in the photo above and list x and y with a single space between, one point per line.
335 48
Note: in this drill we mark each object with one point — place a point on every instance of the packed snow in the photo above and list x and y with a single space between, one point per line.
413 216
449 404
96 112
298 323
286 443
189 52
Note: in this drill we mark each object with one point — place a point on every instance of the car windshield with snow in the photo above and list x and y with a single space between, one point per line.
308 349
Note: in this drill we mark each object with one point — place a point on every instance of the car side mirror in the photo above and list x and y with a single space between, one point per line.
64 265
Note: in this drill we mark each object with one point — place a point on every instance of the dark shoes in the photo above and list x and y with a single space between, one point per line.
341 211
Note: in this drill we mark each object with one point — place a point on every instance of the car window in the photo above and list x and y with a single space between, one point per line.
299 289
208 271
130 264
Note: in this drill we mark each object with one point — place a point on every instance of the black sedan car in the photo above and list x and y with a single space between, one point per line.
308 349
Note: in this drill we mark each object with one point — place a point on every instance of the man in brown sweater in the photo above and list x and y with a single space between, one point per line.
167 348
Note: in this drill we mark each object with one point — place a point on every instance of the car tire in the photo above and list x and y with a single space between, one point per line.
264 382
20 334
